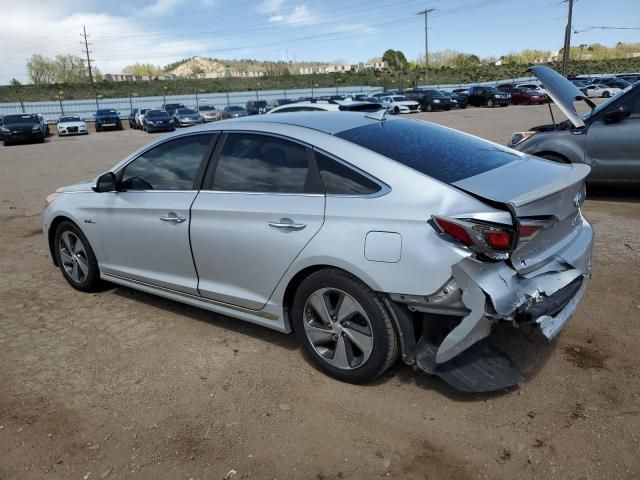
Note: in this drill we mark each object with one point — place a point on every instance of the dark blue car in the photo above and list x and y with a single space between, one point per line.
107 118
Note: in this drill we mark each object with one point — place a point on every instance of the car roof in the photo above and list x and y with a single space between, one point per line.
327 122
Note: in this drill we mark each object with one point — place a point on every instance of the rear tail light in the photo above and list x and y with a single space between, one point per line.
492 240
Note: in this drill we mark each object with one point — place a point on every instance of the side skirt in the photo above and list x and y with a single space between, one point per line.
258 317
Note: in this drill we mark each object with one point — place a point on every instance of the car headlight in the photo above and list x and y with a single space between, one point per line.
4 130
50 198
436 101
35 128
519 137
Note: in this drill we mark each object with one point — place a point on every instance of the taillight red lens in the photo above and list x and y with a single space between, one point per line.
527 231
498 240
455 230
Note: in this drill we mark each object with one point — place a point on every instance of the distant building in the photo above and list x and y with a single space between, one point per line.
342 68
634 55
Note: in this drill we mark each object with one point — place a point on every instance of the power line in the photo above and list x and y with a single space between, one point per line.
588 29
87 51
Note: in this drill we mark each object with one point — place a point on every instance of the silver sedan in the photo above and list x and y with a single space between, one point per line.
368 236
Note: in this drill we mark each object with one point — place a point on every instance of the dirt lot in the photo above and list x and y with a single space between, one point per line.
121 384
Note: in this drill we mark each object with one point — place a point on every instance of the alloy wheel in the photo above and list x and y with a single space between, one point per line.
338 328
73 256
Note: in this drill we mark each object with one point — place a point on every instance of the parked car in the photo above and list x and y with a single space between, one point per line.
132 119
614 82
606 138
397 104
171 108
107 118
157 121
209 113
631 78
43 124
598 90
325 224
278 103
186 117
234 111
527 96
581 84
139 117
256 107
458 100
488 97
430 99
25 127
533 86
71 125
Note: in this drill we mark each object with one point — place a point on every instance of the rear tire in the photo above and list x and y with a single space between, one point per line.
344 327
75 258
606 95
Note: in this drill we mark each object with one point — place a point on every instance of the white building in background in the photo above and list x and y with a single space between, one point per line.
342 68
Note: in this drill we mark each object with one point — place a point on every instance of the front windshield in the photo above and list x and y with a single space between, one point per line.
19 119
69 119
107 112
185 111
606 103
493 90
399 99
235 109
205 108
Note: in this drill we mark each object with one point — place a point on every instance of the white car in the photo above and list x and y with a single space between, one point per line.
70 125
599 90
533 86
399 104
307 106
139 117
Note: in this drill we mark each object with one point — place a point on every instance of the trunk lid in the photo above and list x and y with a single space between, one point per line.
536 189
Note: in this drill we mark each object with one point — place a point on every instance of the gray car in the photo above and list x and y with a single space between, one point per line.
606 138
186 117
368 236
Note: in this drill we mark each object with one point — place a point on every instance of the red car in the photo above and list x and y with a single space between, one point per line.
527 96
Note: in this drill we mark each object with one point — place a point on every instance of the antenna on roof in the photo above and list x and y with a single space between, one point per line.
379 115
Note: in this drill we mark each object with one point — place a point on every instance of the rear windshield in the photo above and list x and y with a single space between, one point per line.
156 114
443 154
107 112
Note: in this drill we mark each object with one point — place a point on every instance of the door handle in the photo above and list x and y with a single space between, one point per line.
173 218
287 224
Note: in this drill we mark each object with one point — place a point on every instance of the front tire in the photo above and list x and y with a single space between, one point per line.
490 103
344 327
428 108
606 95
75 258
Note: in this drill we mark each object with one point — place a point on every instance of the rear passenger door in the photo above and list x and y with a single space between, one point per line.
261 204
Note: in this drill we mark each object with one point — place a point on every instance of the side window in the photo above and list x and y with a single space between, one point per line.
260 163
340 179
172 165
633 105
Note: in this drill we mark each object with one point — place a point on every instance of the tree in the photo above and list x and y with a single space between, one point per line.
395 59
463 60
15 82
143 69
40 70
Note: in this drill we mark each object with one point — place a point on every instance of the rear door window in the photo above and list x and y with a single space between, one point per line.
260 163
436 151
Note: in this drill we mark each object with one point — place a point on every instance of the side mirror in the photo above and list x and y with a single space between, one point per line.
105 183
616 115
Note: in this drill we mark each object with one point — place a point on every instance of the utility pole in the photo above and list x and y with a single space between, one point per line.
87 51
426 13
567 40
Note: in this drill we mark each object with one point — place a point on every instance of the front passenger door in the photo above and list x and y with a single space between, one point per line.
144 226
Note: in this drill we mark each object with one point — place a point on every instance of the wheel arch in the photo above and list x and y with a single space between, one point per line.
52 234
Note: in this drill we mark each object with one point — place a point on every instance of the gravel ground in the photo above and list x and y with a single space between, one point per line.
120 384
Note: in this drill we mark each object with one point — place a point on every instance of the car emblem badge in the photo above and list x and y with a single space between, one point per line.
578 200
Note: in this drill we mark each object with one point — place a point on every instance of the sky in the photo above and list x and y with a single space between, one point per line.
164 31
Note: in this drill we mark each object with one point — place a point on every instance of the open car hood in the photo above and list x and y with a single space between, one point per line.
562 92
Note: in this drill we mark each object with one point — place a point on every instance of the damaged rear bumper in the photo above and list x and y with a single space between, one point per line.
486 293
